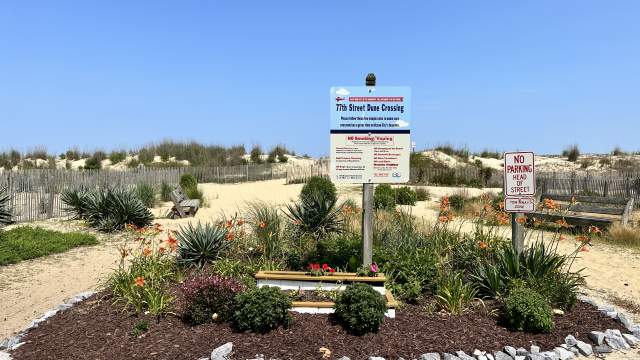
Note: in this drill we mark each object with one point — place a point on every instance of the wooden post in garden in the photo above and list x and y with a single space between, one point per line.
367 207
517 233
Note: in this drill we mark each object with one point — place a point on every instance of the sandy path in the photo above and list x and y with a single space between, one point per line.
30 288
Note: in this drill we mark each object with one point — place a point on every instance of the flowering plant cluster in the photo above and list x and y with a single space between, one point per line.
209 297
371 270
446 214
316 270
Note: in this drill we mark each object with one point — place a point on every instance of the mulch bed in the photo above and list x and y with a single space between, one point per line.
94 329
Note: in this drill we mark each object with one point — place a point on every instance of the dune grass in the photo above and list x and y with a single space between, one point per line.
25 242
623 235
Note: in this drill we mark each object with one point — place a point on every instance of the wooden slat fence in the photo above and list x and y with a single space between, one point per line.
616 186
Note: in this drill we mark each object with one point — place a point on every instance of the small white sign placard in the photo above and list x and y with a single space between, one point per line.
519 204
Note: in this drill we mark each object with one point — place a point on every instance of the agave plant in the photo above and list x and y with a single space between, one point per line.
201 244
317 215
107 209
5 209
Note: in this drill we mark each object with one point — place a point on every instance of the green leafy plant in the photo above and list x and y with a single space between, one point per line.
146 193
117 156
139 328
319 184
107 210
454 295
189 185
165 192
405 196
317 215
422 194
261 310
457 201
209 296
384 197
201 244
526 310
360 309
410 273
266 222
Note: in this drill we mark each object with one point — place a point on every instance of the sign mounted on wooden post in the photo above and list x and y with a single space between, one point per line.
519 181
370 134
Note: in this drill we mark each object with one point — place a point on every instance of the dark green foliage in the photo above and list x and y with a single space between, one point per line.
117 156
188 181
316 215
360 309
6 213
410 273
572 153
206 295
261 310
491 154
526 310
453 294
384 197
24 242
462 153
255 154
39 152
165 191
617 151
405 196
342 252
422 194
146 193
457 201
146 156
319 184
92 163
10 159
107 209
201 244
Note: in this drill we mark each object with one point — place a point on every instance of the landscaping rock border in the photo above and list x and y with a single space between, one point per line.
15 341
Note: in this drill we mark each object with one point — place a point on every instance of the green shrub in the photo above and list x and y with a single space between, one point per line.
384 197
261 310
140 328
360 309
24 243
72 154
572 153
342 252
6 213
405 196
107 209
526 310
456 201
117 156
145 156
188 181
255 154
200 245
206 295
165 191
319 184
92 163
422 194
317 215
146 193
454 295
409 273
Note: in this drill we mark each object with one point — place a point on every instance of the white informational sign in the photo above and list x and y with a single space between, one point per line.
519 181
370 134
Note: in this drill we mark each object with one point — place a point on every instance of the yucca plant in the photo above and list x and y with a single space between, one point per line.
201 244
317 215
107 210
5 207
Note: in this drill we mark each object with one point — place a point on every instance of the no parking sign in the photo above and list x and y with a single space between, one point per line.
519 181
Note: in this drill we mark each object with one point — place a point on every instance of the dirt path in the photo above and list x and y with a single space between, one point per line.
32 287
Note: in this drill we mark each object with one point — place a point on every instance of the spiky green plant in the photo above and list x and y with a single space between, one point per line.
201 244
454 295
266 223
107 210
146 193
317 215
5 207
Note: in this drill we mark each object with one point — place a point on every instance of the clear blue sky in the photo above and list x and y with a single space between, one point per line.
508 75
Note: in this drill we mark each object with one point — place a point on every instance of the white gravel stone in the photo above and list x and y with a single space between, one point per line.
563 354
597 337
222 352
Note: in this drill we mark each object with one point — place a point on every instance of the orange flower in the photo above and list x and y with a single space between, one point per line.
483 245
521 220
550 204
172 242
229 223
562 237
146 251
139 281
162 249
230 236
443 218
562 223
584 248
582 238
158 227
262 225
239 222
594 230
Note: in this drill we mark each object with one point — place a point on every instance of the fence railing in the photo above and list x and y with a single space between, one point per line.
35 193
589 185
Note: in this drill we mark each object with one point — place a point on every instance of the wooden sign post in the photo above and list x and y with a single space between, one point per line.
519 190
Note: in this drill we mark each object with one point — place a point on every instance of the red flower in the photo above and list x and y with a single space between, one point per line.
331 270
325 266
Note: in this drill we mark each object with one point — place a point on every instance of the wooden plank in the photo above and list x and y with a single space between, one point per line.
574 219
588 199
302 276
587 208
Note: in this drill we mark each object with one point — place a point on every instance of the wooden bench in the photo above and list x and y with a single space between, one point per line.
182 205
583 210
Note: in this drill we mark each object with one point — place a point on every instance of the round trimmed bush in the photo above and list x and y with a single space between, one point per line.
321 185
406 196
206 295
384 197
261 310
526 310
360 309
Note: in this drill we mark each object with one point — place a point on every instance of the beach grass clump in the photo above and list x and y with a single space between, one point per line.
622 235
256 154
117 156
572 153
146 193
462 152
25 242
189 185
165 191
